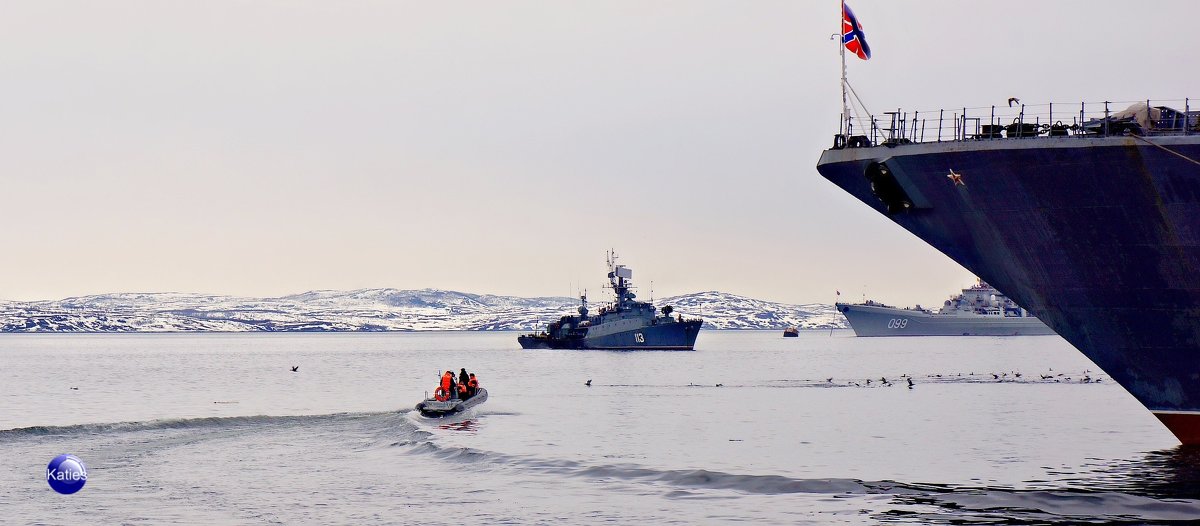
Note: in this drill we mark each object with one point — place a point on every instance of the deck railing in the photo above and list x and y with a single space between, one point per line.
1022 121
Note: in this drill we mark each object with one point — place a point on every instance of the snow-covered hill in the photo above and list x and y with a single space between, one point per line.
729 311
370 310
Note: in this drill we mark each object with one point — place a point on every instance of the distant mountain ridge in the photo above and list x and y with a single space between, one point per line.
371 310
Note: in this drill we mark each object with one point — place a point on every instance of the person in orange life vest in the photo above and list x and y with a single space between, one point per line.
472 385
448 383
462 391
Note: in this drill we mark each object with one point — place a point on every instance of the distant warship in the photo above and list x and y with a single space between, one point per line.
626 324
980 310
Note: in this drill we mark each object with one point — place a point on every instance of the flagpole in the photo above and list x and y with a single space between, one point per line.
844 126
836 299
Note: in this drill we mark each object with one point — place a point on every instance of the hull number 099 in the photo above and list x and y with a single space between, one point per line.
897 323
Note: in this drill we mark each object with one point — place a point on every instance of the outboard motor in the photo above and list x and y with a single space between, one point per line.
887 189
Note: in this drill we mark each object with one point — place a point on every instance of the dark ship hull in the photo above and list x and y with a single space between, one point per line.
1099 237
677 336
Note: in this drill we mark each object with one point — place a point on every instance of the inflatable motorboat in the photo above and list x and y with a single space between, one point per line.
436 408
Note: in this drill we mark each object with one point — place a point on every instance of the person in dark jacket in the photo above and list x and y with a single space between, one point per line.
461 385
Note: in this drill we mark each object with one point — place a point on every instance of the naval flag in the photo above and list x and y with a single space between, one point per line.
852 34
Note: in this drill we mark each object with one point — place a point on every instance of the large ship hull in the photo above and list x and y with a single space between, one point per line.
875 320
1097 237
677 336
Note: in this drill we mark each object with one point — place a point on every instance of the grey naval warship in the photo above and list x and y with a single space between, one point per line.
980 310
1087 216
625 324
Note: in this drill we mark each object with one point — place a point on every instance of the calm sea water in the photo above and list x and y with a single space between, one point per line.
751 427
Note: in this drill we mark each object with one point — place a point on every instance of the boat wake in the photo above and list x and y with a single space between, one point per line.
1162 487
1104 502
202 423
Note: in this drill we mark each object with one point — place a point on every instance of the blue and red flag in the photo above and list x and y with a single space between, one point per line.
852 34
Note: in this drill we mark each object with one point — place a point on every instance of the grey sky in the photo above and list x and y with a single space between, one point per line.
266 148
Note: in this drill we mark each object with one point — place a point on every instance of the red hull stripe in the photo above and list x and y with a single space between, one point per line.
1186 426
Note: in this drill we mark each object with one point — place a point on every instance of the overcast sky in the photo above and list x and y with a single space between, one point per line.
265 148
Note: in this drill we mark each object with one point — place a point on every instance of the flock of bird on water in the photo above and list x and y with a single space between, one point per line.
1004 377
1014 377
